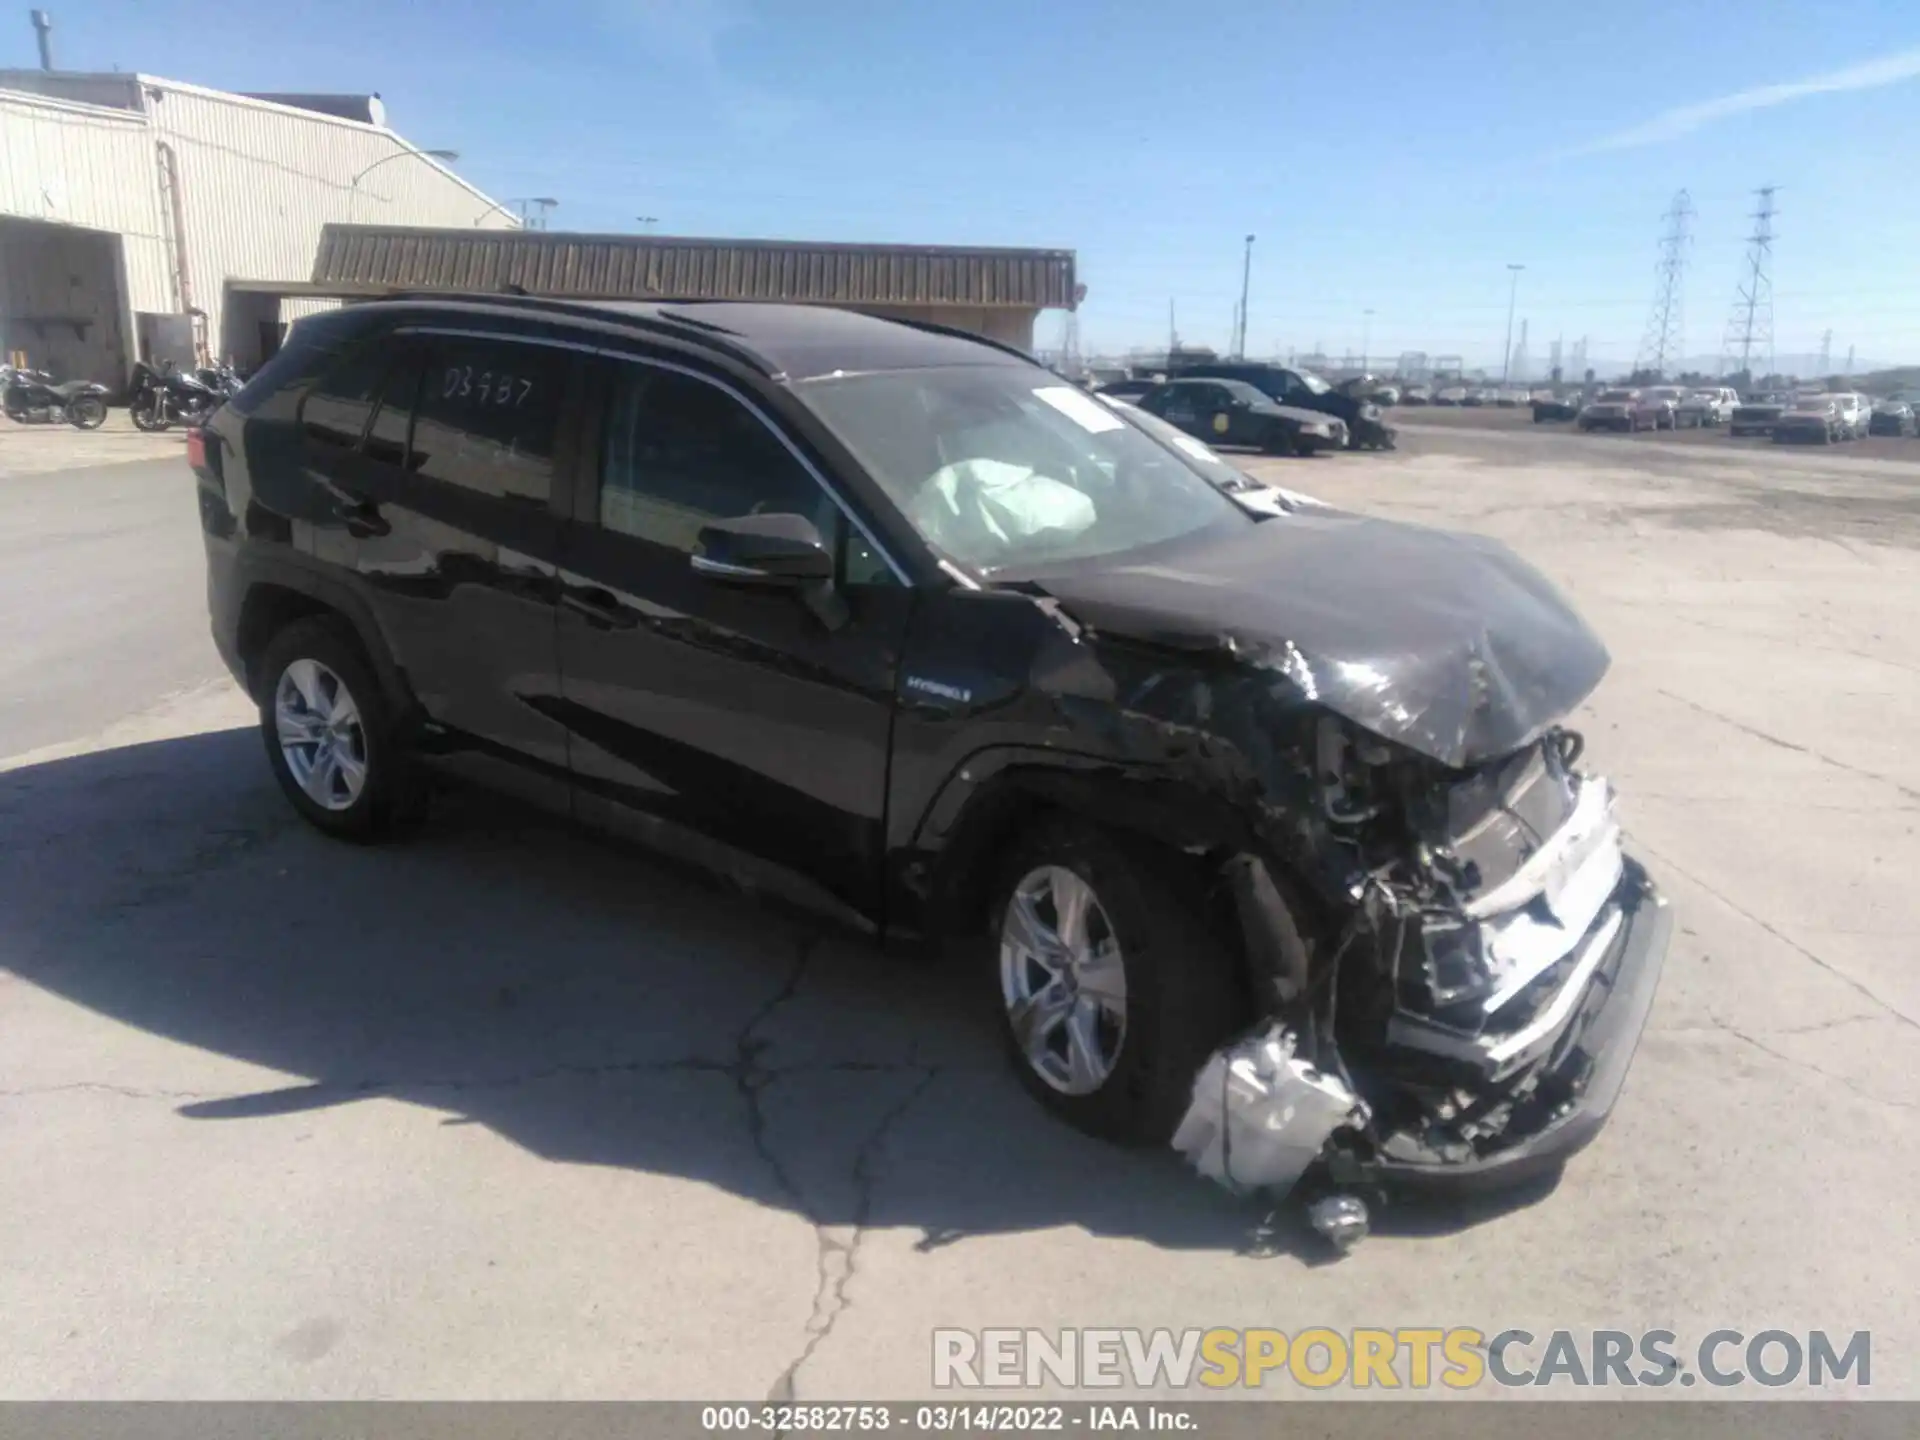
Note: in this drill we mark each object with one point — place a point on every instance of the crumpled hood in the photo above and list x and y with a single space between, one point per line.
1447 643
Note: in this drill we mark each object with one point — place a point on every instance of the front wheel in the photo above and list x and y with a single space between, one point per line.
85 412
332 737
1113 988
148 413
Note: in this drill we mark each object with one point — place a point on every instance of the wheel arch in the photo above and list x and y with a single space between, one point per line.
996 794
276 599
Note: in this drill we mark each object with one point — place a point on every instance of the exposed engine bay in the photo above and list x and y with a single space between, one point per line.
1438 1024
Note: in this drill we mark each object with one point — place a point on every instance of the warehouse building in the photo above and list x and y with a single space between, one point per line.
136 213
997 292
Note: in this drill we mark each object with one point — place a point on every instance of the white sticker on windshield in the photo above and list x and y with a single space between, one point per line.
1198 451
1081 408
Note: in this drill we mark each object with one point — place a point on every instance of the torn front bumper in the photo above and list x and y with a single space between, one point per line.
1589 1058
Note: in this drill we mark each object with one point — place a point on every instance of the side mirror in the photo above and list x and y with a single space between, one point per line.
774 550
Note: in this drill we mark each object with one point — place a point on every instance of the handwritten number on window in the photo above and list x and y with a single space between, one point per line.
500 390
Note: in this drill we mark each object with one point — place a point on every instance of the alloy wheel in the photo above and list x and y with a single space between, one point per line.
321 735
1062 980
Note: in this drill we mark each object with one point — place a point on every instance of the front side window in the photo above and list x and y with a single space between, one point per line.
488 414
680 453
1006 467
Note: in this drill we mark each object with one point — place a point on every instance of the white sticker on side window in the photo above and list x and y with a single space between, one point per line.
1081 408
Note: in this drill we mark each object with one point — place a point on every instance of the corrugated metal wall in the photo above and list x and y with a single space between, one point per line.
259 181
89 166
641 267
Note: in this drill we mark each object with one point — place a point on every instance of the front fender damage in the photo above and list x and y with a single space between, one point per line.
1442 953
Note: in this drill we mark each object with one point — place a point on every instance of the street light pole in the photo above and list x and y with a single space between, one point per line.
1246 274
1513 292
1366 337
353 189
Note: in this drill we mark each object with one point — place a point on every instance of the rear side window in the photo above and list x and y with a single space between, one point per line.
336 409
393 414
487 416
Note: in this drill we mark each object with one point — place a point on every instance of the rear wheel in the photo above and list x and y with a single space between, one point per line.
331 735
1113 989
85 412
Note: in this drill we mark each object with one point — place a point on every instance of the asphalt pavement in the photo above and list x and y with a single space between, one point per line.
505 1112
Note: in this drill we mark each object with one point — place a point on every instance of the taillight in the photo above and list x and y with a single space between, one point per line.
197 448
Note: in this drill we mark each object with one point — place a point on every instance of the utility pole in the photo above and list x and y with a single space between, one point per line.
1246 274
1661 344
1750 328
1849 369
1173 333
1826 353
1366 336
1513 292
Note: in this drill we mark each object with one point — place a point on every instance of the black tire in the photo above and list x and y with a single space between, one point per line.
392 799
1281 441
147 413
86 412
1185 995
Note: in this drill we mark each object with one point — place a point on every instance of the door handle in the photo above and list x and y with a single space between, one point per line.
601 608
362 517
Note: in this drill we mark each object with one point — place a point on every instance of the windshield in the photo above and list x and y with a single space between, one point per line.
1315 385
1003 467
1196 452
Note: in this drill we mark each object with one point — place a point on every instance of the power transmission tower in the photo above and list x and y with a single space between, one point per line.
1750 328
1849 370
1661 345
1826 353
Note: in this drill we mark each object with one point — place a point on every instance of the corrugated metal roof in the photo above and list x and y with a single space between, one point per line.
644 267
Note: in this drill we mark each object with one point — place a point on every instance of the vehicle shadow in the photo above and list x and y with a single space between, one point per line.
586 1002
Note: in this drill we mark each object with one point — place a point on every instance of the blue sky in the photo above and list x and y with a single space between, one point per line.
1393 156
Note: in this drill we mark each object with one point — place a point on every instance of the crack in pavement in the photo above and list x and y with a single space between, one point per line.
1785 939
1808 1065
1758 734
839 1259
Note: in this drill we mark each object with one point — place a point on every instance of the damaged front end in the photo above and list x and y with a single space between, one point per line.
1432 894
1466 1016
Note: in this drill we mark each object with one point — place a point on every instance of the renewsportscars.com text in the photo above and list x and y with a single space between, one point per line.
1407 1358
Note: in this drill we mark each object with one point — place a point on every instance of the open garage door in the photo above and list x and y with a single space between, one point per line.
62 300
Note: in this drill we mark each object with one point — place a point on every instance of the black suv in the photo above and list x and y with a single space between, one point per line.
896 624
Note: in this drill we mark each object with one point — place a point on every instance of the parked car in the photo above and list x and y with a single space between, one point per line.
1855 412
1548 406
1451 395
1417 395
1126 389
1758 415
1891 417
1812 417
1628 410
1667 399
1710 407
1367 428
1232 412
1509 399
896 624
1480 395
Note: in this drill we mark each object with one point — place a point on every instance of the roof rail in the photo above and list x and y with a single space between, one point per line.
933 327
710 335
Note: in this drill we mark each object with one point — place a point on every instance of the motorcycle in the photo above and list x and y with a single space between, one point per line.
169 396
33 397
